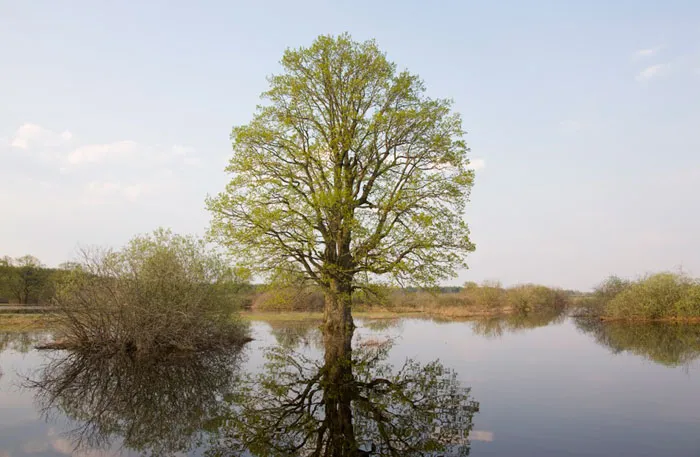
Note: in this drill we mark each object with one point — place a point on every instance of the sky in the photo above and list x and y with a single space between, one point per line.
583 119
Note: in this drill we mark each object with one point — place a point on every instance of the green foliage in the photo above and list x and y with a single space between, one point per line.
529 298
658 296
160 292
288 299
349 171
25 280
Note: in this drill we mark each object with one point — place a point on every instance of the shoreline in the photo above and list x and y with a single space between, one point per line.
28 322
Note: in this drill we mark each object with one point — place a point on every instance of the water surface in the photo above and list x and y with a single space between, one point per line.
526 387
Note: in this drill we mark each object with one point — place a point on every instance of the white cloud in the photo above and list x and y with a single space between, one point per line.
477 164
647 52
652 71
95 153
570 126
97 192
54 148
32 135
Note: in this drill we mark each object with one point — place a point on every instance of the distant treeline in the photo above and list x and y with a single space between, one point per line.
26 281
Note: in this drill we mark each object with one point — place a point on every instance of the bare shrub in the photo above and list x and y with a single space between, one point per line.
160 292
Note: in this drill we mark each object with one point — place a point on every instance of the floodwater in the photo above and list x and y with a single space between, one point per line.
517 387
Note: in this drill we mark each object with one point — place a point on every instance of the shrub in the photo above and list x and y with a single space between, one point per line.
659 296
161 292
489 295
289 299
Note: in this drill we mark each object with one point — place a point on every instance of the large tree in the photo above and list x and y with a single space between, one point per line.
349 174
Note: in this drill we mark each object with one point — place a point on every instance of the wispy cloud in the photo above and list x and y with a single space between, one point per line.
97 192
58 148
33 135
95 153
648 52
653 71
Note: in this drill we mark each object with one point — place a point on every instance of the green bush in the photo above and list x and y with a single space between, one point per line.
288 299
530 298
659 296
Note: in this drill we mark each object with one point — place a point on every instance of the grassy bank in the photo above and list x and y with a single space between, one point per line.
25 322
659 297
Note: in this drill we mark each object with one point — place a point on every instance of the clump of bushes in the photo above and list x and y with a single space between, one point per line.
162 292
658 296
489 298
288 298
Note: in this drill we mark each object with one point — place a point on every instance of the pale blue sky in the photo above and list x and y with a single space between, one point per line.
583 116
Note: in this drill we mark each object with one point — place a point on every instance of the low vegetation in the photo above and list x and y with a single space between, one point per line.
472 300
162 292
487 299
24 322
661 296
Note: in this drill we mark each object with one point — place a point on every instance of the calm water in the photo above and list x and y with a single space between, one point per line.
523 387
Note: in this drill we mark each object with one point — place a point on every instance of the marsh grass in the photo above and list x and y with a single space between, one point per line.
25 322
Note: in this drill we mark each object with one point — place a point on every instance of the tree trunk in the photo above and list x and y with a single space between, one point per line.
337 315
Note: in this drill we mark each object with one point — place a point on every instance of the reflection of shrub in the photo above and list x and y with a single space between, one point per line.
160 292
156 407
671 344
659 296
500 325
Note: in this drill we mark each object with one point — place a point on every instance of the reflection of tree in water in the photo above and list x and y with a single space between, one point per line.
382 324
292 334
498 326
671 344
337 406
153 406
347 402
19 341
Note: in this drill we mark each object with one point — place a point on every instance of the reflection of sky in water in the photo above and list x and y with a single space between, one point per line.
546 391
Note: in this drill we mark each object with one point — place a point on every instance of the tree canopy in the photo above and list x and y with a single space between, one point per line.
349 173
